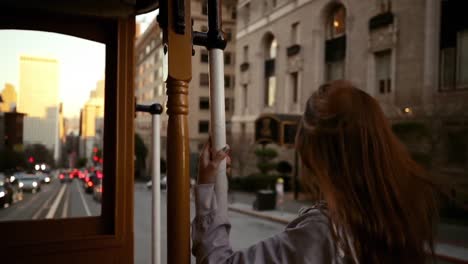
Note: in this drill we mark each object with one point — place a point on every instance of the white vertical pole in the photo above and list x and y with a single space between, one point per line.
156 193
218 122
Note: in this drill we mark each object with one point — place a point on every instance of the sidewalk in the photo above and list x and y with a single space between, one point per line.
451 246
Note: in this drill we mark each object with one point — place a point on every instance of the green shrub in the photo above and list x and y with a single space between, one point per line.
253 182
266 153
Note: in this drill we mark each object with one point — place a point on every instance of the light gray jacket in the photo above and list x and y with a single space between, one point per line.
307 239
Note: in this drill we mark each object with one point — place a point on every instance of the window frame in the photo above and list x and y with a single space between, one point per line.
108 228
201 126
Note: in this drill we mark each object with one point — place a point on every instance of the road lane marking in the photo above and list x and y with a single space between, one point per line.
44 206
65 205
83 200
22 207
56 203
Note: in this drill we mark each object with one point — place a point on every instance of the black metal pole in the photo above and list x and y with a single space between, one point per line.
154 109
296 173
214 38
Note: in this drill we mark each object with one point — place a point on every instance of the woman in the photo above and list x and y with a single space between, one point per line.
379 206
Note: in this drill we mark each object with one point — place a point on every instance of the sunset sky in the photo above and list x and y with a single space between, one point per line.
81 62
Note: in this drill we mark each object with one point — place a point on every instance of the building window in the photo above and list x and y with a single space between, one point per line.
385 5
270 51
228 33
227 81
383 71
204 7
204 79
335 45
234 13
229 104
453 47
204 56
204 28
203 126
245 53
295 33
337 22
227 58
295 86
462 59
204 103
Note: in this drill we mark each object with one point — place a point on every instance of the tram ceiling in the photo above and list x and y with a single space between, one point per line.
101 8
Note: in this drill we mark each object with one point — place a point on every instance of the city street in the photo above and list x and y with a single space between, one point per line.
245 230
55 200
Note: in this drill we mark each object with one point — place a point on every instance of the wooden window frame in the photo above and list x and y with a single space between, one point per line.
107 237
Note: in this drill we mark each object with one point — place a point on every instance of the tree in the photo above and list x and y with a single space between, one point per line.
38 153
11 160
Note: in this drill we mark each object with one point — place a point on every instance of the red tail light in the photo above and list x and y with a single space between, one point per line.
99 175
87 179
61 176
90 184
71 176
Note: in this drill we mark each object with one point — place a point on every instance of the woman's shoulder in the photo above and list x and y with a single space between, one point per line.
316 215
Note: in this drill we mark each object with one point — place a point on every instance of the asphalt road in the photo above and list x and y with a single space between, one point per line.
245 230
54 200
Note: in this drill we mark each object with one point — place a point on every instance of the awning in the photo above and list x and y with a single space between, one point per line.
99 8
276 128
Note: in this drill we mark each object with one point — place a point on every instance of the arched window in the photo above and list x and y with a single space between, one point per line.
270 51
335 46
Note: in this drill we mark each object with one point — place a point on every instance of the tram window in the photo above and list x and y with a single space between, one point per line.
203 126
52 123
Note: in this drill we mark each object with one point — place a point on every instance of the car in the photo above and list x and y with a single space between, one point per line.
43 177
7 192
91 180
65 176
29 182
97 191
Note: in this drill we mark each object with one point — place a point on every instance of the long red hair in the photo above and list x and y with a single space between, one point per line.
380 200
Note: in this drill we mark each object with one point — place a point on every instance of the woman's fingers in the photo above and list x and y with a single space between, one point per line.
220 155
205 154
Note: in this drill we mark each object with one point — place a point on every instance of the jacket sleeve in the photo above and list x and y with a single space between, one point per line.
305 240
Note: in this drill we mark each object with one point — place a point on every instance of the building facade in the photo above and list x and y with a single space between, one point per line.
149 87
92 122
199 108
39 100
150 75
409 55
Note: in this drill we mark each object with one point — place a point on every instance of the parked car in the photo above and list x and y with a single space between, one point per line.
29 183
6 192
97 191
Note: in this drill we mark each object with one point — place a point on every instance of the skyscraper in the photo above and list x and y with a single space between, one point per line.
39 100
9 98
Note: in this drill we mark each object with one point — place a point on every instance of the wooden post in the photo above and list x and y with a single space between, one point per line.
179 42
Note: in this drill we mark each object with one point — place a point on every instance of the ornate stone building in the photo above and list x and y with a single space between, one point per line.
410 55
